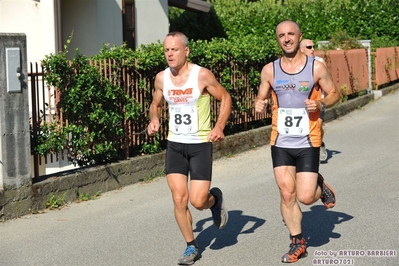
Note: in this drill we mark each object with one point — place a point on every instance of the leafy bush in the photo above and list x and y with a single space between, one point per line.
319 19
341 40
194 24
94 106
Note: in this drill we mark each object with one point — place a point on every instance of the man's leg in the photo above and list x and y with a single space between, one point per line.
287 182
310 185
308 191
180 194
178 185
323 151
290 210
200 197
201 175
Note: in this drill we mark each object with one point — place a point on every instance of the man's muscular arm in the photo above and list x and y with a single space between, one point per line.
332 95
266 79
155 107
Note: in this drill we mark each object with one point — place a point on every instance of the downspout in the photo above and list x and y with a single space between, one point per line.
58 26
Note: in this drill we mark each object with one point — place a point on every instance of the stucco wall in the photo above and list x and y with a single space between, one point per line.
152 21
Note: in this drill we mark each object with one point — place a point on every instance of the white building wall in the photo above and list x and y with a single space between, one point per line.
33 18
152 21
93 23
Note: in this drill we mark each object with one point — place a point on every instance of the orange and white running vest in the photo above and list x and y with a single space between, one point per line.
292 125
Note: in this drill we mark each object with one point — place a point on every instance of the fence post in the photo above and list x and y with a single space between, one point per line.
367 45
15 151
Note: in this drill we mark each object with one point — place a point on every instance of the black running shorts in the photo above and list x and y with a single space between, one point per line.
304 159
195 159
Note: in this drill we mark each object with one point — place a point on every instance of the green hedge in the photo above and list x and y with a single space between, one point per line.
319 19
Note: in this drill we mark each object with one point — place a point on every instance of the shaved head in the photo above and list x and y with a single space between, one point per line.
307 47
306 42
285 22
288 35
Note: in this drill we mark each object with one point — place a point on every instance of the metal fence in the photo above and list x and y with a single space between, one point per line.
137 85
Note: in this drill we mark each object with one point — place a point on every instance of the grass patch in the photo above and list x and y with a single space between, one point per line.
85 196
55 202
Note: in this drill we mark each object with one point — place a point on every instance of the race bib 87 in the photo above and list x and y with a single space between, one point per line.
293 121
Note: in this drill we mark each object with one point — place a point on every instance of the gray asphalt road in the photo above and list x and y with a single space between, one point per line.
135 225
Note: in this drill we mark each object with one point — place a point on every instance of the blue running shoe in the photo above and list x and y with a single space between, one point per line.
189 256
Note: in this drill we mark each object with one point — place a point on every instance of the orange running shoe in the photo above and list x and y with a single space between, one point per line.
297 251
327 193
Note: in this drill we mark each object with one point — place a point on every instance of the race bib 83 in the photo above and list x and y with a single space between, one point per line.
183 119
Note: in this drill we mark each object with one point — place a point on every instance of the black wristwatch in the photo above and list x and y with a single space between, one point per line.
322 110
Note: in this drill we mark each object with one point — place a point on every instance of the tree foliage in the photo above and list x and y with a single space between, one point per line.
319 19
95 108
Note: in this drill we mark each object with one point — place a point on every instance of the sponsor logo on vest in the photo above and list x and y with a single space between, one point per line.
281 81
289 86
304 86
179 99
182 92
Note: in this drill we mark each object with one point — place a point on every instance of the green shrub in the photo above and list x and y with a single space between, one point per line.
94 106
319 19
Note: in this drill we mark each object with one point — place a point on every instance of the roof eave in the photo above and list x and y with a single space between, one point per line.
191 5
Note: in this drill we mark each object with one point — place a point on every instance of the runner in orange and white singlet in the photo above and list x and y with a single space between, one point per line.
295 82
293 126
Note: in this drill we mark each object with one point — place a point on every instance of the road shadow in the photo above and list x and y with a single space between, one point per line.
227 236
318 225
330 154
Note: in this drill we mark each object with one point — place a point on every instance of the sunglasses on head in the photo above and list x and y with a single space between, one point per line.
310 47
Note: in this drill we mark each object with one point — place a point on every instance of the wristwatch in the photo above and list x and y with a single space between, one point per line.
323 107
322 110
